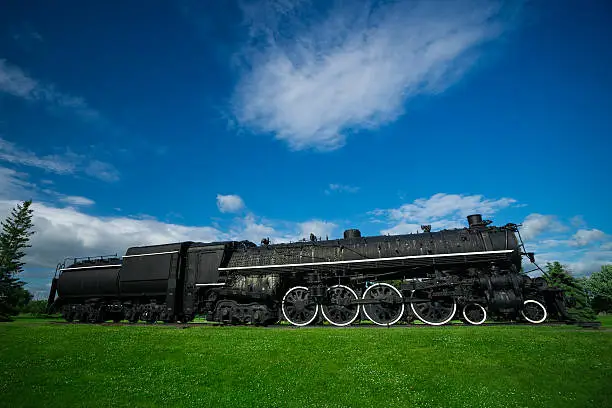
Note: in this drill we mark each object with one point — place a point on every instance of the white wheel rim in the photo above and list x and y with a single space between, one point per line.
285 314
481 308
356 313
539 304
365 310
450 317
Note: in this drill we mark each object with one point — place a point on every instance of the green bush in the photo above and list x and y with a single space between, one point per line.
580 305
37 308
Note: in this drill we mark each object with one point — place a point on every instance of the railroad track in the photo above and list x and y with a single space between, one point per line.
594 325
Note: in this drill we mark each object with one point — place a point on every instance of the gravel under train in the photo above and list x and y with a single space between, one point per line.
472 274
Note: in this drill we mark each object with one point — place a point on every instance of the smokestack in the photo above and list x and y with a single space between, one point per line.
474 220
352 233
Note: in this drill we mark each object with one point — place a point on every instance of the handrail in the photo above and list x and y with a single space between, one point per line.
89 259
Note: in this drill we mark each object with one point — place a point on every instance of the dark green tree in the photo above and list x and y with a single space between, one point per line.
23 297
579 305
599 287
14 239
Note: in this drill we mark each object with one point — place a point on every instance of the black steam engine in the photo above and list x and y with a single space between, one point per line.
471 274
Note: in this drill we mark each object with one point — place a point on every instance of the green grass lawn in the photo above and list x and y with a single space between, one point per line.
46 364
606 321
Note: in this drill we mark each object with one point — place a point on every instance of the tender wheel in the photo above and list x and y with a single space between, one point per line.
390 307
68 314
82 317
132 316
340 311
97 316
298 308
435 312
475 314
533 311
149 316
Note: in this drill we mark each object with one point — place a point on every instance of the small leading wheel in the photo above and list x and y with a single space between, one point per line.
298 307
341 311
389 307
475 314
533 311
435 312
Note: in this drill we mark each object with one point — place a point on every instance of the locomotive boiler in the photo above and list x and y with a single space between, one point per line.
471 274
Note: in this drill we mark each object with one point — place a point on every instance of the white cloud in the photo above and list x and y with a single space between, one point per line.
101 170
590 262
311 81
585 237
341 188
578 221
77 200
229 203
62 232
582 253
440 211
68 232
579 262
65 163
11 153
536 224
254 230
408 228
319 228
14 81
25 35
13 183
549 243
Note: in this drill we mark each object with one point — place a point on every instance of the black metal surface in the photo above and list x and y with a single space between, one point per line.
429 276
458 241
474 220
352 233
95 280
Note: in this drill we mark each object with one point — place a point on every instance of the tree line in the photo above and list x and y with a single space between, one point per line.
588 296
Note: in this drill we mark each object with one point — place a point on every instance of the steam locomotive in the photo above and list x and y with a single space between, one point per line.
472 274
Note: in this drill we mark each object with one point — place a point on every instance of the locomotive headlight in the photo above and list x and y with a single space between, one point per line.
531 256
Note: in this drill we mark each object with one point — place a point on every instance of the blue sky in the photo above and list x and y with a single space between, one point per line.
133 125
